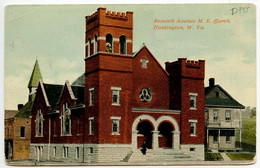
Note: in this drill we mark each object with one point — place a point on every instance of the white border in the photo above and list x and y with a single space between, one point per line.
4 3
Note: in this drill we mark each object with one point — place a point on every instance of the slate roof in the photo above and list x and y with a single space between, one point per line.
80 81
79 93
25 111
53 93
36 76
220 102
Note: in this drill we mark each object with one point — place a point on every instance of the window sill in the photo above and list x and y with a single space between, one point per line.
193 108
91 105
90 134
115 133
22 137
77 134
38 136
115 104
67 135
193 135
216 142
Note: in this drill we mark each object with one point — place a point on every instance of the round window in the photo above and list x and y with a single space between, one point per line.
145 95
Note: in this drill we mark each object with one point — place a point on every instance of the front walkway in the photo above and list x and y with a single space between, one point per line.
225 157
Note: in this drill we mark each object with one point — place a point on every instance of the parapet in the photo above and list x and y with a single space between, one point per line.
186 68
107 16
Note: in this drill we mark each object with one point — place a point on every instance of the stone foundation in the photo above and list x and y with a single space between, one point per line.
92 153
196 151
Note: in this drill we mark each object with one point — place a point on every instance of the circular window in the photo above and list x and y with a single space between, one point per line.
145 95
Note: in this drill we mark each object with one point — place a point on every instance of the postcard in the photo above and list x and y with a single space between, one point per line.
136 84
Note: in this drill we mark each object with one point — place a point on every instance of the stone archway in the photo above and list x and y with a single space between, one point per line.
137 121
145 133
165 135
155 132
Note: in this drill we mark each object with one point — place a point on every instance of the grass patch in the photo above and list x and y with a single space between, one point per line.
213 156
248 135
241 156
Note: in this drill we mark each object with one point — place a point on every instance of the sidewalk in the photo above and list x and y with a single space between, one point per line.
174 163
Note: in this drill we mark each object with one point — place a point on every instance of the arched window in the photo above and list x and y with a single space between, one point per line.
109 43
122 44
89 47
66 120
95 44
39 123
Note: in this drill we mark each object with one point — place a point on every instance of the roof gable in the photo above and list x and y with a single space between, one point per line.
143 49
220 99
36 75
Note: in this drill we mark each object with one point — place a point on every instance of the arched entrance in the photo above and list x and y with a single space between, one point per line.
165 135
144 134
145 126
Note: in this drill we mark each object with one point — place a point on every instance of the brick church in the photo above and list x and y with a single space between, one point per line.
123 101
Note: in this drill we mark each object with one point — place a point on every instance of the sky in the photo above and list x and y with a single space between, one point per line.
54 35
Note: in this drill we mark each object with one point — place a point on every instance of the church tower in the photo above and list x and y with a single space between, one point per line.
33 82
108 77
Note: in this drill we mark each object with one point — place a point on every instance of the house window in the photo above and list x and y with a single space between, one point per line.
91 96
193 101
65 152
89 47
109 43
122 44
39 123
193 127
22 132
91 125
77 152
215 114
54 151
217 94
144 62
66 119
228 115
115 125
95 44
115 95
228 138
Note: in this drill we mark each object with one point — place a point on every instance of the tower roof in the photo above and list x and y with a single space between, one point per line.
36 75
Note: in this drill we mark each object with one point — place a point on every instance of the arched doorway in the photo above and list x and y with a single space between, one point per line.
144 134
165 135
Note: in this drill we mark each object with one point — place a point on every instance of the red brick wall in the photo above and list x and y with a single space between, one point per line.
153 77
39 103
188 77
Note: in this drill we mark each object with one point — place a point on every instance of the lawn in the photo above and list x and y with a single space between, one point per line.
241 156
249 135
213 156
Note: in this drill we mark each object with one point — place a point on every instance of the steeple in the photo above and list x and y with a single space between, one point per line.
35 77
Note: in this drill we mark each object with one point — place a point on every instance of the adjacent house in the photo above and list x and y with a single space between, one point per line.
18 128
223 119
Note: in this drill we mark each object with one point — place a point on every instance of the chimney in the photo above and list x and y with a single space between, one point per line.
20 106
211 82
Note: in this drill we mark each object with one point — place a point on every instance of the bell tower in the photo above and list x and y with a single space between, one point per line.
108 76
109 32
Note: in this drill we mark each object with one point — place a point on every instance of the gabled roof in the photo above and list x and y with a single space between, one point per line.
25 111
230 102
36 75
53 92
79 93
144 47
80 81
